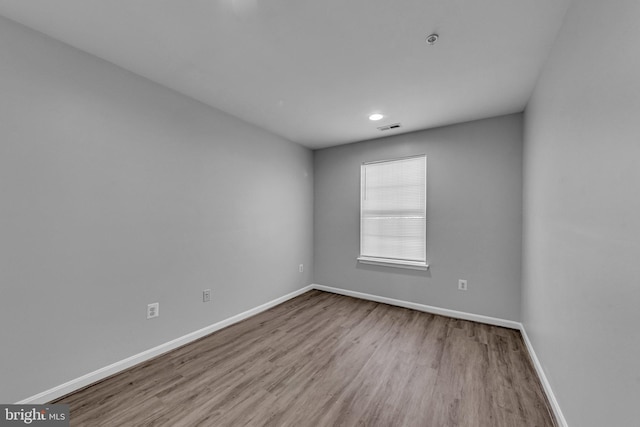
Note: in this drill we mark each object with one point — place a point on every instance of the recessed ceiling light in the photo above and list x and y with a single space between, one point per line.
432 39
375 116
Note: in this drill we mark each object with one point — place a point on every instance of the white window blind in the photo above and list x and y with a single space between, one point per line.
393 208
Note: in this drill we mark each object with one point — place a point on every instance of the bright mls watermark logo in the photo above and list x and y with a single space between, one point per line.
34 415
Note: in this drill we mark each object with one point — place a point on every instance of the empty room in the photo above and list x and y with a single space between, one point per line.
297 213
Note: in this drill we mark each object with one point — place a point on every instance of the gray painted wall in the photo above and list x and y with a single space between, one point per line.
581 292
474 217
117 192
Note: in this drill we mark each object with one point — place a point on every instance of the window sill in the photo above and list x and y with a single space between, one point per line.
413 265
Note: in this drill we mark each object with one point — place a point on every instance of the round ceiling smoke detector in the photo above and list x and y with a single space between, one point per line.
432 39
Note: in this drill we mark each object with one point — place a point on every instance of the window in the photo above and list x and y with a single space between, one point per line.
393 212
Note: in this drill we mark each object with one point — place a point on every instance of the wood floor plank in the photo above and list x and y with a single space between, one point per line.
328 360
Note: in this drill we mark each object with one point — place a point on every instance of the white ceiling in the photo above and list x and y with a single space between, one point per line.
313 71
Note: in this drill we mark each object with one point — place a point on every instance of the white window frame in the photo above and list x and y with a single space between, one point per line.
393 262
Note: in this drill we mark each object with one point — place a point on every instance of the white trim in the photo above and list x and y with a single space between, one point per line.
421 265
543 379
422 307
398 263
555 407
114 368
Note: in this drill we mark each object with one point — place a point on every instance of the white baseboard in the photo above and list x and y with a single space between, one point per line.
422 307
543 379
465 316
114 368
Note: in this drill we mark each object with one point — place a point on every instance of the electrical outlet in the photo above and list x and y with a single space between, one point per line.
206 295
301 268
462 285
153 310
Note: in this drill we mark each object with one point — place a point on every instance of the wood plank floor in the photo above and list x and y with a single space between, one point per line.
328 360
